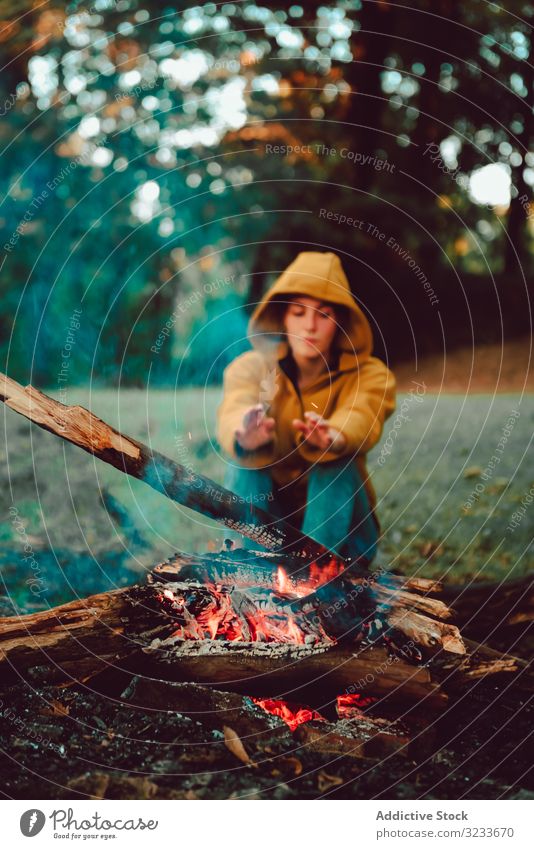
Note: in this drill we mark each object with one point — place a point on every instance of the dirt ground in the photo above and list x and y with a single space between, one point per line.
88 742
487 368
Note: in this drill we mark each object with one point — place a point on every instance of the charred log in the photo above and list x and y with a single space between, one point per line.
143 631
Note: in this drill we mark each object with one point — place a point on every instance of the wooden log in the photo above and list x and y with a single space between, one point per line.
457 675
131 629
291 672
365 738
362 737
425 631
214 708
82 428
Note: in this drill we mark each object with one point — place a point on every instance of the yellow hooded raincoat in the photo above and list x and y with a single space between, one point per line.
356 397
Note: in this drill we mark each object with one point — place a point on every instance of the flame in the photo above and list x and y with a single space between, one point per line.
317 576
282 583
293 715
260 620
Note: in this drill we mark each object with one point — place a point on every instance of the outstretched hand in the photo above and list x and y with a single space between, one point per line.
319 433
256 430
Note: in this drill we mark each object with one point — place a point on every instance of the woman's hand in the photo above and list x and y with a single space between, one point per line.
319 433
257 429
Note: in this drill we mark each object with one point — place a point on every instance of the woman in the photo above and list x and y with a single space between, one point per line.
302 409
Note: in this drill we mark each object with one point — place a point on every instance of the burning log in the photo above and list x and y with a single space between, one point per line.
189 633
407 612
168 630
259 721
81 427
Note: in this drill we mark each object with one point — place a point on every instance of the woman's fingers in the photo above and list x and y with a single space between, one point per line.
256 429
253 416
319 433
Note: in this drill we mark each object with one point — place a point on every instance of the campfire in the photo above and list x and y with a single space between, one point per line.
295 632
243 611
240 610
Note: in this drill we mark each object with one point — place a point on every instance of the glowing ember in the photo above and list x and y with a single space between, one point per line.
318 575
352 705
248 615
348 707
236 607
293 715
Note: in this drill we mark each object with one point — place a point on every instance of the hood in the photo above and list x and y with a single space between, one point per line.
317 275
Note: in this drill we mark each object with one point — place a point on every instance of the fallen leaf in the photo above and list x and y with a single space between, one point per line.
326 781
292 763
54 708
431 549
233 743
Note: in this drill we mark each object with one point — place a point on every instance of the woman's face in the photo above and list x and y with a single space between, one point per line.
311 327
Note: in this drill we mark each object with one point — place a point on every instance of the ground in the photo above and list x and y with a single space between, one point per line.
94 746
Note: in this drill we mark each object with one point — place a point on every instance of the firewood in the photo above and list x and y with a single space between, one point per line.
365 738
81 427
206 705
132 629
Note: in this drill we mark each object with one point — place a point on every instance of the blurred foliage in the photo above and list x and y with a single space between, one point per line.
142 184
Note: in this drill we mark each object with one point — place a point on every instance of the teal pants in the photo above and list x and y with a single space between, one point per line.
337 511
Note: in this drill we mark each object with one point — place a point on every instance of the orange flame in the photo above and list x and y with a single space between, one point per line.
293 715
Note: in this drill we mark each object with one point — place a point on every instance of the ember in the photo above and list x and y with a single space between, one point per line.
293 715
251 614
318 575
349 706
352 705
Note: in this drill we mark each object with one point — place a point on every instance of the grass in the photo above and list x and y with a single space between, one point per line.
438 457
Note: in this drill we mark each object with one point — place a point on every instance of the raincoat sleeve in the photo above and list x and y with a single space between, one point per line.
241 390
364 405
